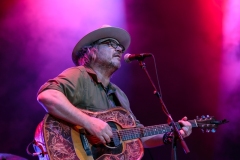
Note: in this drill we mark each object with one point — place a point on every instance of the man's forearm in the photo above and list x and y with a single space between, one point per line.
152 141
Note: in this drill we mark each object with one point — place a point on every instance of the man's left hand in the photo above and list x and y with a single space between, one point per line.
187 127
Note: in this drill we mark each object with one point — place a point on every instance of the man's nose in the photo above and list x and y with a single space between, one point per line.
119 49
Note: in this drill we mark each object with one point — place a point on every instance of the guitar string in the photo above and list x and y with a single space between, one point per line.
146 131
128 134
133 133
141 132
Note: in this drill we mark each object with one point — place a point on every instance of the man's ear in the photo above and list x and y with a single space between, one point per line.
94 54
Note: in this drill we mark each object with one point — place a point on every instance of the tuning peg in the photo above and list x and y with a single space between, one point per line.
213 130
207 130
203 116
208 116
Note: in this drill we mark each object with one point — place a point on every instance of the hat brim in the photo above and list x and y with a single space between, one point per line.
119 34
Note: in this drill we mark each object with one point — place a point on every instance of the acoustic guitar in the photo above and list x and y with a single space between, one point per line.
56 139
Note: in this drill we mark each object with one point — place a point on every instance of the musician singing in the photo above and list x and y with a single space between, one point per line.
87 86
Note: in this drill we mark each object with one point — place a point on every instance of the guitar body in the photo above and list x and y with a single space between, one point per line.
61 140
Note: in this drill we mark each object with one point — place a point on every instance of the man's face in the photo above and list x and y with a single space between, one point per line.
109 54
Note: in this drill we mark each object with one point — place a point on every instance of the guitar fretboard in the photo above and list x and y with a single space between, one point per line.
134 133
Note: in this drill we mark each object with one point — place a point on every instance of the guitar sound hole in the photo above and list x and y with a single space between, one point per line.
114 147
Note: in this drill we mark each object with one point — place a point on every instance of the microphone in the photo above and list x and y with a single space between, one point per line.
131 57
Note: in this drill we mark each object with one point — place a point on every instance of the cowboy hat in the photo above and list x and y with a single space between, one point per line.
106 31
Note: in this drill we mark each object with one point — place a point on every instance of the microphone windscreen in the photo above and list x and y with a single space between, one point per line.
126 58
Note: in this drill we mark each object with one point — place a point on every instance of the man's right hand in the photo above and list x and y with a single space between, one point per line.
100 129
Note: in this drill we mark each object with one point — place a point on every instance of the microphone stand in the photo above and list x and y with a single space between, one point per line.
177 134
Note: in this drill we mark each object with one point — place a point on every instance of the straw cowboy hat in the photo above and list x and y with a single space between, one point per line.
105 31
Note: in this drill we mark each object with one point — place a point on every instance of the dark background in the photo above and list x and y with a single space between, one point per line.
187 39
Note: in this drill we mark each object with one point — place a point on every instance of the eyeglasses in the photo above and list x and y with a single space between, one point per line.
111 43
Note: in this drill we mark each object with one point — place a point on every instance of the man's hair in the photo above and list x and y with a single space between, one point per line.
86 54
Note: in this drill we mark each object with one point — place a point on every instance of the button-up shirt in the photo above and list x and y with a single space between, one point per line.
83 89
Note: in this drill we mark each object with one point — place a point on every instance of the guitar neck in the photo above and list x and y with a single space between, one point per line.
134 133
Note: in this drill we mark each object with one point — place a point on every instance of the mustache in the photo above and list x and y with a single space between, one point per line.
117 54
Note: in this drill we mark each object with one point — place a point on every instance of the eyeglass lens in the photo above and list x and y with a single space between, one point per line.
113 44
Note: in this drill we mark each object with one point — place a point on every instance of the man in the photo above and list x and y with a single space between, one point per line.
87 86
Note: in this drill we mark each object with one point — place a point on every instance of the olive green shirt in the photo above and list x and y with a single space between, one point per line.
83 89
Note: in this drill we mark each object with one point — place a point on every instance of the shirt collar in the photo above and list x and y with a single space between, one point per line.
93 74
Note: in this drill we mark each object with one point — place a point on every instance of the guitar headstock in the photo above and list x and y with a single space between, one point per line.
208 123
